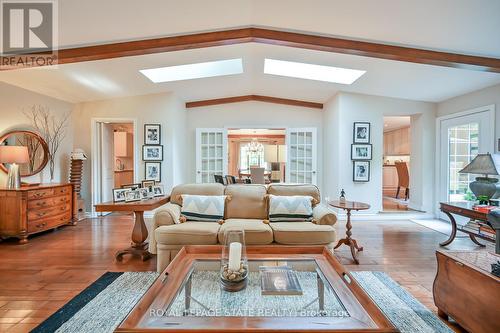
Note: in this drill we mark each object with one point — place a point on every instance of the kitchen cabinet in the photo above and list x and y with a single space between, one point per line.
123 144
389 177
397 142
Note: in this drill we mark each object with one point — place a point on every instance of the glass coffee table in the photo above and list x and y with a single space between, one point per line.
188 296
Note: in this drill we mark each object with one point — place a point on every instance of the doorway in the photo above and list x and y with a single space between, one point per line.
461 137
114 163
396 167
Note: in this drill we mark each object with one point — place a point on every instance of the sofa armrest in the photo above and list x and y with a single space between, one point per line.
168 214
323 215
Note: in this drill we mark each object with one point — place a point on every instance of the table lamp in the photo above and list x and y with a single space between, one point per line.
14 155
483 164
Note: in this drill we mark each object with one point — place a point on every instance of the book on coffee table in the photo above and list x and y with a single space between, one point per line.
279 280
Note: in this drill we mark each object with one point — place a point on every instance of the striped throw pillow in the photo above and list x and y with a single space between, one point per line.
290 208
205 208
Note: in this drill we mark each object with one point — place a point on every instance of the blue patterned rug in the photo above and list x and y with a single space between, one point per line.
104 304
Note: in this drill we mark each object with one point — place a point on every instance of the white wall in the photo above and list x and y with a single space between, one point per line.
340 114
164 109
13 102
252 114
483 97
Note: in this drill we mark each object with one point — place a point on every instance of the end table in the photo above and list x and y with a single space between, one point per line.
348 206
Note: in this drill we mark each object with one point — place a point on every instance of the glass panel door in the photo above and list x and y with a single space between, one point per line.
461 139
211 154
301 166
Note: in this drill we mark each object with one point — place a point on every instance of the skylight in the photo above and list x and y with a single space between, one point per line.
194 71
311 72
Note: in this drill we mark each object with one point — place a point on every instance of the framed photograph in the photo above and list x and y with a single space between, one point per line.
148 183
144 193
361 132
361 171
132 195
152 171
158 191
131 186
152 134
361 152
152 153
119 194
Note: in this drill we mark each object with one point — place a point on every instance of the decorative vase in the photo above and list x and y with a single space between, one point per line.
234 262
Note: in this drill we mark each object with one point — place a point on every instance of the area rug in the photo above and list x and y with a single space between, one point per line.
104 304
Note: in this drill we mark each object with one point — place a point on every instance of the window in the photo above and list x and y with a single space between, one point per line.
252 155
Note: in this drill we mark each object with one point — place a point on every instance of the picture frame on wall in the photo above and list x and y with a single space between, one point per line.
152 153
361 132
152 171
152 134
361 152
361 171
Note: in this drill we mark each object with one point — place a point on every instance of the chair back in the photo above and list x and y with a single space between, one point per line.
403 175
257 175
230 179
219 179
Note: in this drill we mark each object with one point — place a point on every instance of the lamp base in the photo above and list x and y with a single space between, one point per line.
13 178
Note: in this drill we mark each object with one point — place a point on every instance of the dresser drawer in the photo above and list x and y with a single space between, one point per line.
39 194
62 190
36 214
49 223
48 202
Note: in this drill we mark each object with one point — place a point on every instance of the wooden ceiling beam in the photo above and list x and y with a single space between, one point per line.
260 98
274 37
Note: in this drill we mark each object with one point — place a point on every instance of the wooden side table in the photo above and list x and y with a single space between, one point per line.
348 206
139 245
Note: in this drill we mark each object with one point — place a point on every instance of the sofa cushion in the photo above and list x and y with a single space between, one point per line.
206 208
188 233
304 233
256 232
290 189
199 189
246 201
290 208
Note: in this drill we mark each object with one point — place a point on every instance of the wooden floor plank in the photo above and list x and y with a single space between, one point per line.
38 278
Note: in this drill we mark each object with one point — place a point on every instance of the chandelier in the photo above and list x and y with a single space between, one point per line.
255 146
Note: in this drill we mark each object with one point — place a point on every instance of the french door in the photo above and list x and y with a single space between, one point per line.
301 155
211 154
461 139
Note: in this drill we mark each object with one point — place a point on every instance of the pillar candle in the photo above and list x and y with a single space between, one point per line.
234 256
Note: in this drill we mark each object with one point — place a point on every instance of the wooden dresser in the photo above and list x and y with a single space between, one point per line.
33 209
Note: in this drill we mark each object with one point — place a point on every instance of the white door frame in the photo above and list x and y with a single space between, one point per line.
314 152
491 147
225 157
94 149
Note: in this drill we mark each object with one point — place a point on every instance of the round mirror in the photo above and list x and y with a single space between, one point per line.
38 151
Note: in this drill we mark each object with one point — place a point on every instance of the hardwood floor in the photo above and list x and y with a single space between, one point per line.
38 278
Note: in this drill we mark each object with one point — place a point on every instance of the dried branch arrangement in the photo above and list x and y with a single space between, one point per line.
51 128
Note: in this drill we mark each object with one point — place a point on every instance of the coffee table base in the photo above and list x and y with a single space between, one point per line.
136 250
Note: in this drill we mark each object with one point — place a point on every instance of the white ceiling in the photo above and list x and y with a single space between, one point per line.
120 77
393 123
462 26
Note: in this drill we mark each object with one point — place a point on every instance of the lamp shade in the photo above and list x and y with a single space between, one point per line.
483 164
14 154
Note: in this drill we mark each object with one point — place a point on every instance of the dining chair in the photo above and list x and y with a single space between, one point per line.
257 175
403 178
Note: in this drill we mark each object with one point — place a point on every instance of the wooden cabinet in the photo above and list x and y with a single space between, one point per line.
123 144
34 209
397 142
389 177
123 177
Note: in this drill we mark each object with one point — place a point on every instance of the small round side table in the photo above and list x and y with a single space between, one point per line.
348 206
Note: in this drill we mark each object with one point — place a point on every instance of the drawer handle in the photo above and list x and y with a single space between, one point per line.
40 214
43 203
459 263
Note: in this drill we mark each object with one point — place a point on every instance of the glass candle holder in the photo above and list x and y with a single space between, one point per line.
234 261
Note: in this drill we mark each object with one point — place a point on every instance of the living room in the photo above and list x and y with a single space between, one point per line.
275 105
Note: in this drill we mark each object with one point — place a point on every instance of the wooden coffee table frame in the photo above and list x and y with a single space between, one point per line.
365 316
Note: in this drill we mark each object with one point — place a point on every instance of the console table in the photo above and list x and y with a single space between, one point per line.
463 209
139 245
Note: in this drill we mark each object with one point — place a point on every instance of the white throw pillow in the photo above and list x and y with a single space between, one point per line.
205 208
290 208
